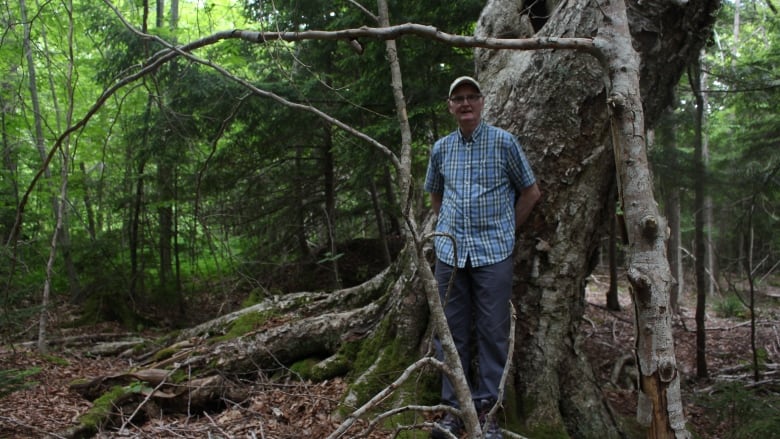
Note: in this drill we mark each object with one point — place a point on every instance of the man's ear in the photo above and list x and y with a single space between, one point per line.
450 108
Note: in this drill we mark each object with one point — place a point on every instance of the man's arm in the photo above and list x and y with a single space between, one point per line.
528 198
436 202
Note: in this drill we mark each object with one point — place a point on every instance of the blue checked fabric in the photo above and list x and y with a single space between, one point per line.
480 179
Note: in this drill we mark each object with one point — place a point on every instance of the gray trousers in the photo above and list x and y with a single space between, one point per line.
477 305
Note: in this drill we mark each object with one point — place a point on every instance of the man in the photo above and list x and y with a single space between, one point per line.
482 189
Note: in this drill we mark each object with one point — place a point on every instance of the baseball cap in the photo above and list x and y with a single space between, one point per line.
464 80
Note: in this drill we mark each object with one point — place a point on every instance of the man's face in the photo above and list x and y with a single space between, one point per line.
466 104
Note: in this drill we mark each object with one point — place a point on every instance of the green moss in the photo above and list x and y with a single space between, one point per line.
338 366
102 407
56 360
179 376
162 354
395 356
246 323
316 370
255 296
141 347
78 381
304 368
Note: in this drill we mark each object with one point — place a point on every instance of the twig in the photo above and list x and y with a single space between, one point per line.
614 330
148 397
592 325
215 424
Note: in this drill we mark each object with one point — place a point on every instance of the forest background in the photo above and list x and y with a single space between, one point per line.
186 188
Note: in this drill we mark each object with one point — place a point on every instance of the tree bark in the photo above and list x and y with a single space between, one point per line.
556 102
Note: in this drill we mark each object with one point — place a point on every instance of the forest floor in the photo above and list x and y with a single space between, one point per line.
289 409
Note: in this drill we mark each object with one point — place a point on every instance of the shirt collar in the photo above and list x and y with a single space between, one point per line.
475 135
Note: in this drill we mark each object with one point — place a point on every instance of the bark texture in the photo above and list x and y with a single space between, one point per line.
556 102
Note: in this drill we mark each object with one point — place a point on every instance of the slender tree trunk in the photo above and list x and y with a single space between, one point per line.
694 73
300 212
660 404
328 168
613 301
709 242
166 184
65 242
165 177
751 283
674 252
31 71
174 14
392 217
380 222
88 207
672 210
10 187
160 21
134 241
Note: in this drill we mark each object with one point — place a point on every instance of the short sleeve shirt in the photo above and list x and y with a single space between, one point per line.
480 179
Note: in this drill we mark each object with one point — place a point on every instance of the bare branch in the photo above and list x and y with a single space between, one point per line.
396 32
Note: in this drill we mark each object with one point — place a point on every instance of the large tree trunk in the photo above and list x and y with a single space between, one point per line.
556 102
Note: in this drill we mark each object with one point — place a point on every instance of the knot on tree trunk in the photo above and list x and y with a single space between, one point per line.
667 371
649 225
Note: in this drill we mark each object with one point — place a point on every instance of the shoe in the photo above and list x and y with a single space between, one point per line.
449 424
490 427
492 430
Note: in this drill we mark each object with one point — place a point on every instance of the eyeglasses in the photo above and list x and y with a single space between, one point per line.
461 99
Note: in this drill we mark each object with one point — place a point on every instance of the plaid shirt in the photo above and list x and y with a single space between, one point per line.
480 179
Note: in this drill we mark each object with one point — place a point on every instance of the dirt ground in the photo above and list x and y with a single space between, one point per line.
288 409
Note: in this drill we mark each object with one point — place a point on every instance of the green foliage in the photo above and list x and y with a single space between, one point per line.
742 412
742 133
730 306
184 175
12 380
59 361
